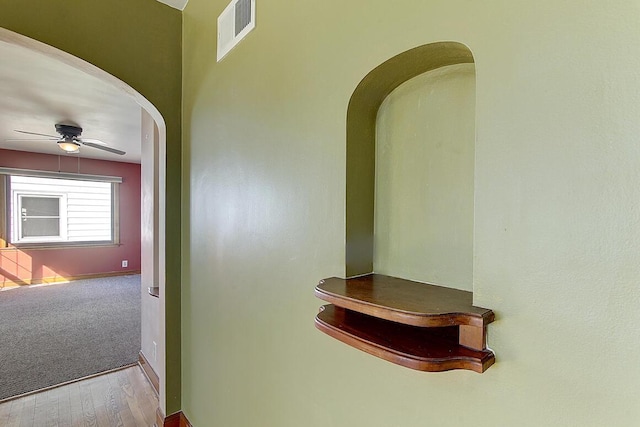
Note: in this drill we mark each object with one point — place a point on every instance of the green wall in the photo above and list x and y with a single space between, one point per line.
557 224
140 43
425 140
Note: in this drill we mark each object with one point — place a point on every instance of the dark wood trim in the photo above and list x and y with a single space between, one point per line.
184 421
172 420
60 279
149 372
179 419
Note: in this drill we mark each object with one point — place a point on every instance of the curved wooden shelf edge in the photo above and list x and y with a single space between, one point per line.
480 318
411 361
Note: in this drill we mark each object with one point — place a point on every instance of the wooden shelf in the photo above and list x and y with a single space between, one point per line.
425 349
417 325
404 301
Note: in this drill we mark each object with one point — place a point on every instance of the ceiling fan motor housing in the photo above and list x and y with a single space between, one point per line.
68 130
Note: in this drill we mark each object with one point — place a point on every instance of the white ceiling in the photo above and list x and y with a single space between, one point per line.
178 4
36 92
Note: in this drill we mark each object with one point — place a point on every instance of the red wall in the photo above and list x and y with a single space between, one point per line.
20 266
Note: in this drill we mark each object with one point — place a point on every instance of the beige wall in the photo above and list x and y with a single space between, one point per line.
557 224
425 142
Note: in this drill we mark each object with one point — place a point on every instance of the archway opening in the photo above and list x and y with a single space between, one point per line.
152 139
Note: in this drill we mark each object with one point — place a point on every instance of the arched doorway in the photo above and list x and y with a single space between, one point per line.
153 159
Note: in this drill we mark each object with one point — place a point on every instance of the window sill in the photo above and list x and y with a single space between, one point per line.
58 245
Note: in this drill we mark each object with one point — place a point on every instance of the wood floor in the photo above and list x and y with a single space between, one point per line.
122 398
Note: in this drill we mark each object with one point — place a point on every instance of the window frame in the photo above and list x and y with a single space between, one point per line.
6 214
16 237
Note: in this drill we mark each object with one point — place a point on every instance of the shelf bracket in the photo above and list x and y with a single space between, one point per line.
474 337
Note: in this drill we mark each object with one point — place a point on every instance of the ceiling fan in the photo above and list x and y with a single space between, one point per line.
69 139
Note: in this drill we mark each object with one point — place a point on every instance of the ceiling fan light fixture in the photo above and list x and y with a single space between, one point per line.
68 145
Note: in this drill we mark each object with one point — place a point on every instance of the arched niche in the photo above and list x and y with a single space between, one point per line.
361 140
387 313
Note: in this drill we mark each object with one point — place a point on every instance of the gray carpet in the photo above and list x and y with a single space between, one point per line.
52 334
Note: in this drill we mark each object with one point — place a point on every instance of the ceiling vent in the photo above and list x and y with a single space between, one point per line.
235 22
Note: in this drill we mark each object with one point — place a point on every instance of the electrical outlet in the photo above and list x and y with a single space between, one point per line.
125 263
155 352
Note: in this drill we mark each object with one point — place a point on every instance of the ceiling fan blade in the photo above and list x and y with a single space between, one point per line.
102 147
93 141
34 133
31 140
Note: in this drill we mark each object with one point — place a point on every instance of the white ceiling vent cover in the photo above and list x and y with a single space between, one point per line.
235 22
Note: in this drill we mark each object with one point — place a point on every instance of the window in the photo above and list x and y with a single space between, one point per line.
39 218
53 210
